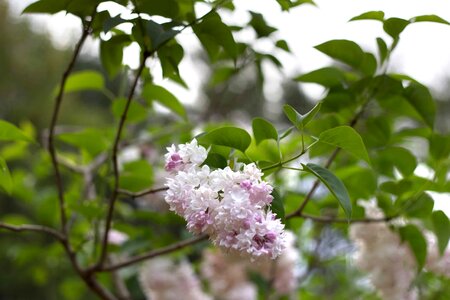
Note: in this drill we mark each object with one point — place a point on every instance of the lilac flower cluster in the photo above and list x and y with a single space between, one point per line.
389 262
163 279
232 207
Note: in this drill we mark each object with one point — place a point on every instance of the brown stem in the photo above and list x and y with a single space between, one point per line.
36 228
142 193
313 189
119 284
330 160
56 110
154 253
90 281
115 160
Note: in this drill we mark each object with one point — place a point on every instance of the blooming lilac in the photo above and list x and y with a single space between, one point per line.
185 156
227 273
231 206
389 262
162 279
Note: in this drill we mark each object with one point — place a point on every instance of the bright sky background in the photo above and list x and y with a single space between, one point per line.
423 53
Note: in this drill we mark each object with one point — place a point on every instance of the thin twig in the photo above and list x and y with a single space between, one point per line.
89 279
56 110
119 284
36 228
330 160
313 189
142 193
115 160
154 253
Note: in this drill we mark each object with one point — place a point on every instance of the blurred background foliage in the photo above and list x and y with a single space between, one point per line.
35 266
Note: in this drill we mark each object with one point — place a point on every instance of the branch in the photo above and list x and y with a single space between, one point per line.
154 253
36 228
119 283
313 189
142 193
330 160
90 281
56 110
115 160
336 220
115 193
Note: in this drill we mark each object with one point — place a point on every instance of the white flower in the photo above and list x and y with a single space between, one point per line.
161 279
230 206
435 262
186 156
116 237
389 262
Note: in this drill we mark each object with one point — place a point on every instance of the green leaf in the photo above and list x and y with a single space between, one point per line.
260 26
382 49
370 15
328 77
357 188
84 80
429 18
215 160
6 182
282 44
94 141
395 26
369 64
420 98
414 237
346 138
79 8
380 129
350 53
166 8
399 157
111 53
337 101
112 22
439 146
397 188
212 33
152 35
286 5
136 176
46 6
285 132
164 97
334 185
420 207
158 34
272 59
9 132
441 228
263 130
233 137
277 205
170 57
221 75
300 121
136 112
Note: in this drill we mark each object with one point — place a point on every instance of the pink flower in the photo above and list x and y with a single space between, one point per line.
116 237
232 207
